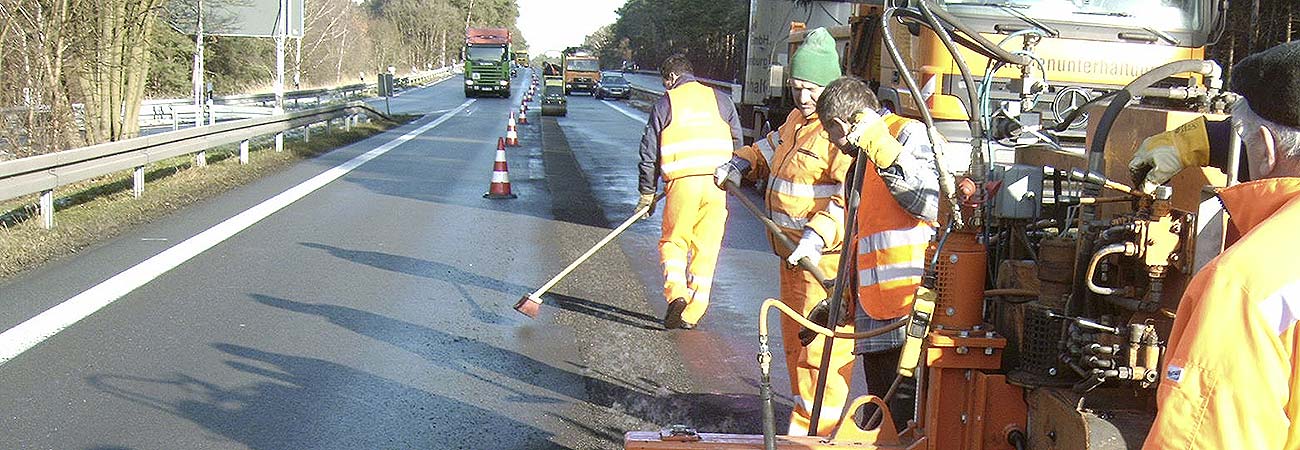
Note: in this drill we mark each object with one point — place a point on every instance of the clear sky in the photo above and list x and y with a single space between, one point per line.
556 24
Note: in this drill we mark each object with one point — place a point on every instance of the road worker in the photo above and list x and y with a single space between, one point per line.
805 198
896 219
1230 368
692 129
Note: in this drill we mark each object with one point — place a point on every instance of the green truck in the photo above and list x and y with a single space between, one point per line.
487 61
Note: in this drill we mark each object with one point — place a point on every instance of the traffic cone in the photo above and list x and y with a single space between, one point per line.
523 114
511 122
500 188
512 138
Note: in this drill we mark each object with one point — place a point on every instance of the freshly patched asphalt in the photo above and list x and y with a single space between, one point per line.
377 311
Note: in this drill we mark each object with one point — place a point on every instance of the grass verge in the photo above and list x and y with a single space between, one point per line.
98 209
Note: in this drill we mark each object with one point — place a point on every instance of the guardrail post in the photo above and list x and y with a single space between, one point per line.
306 133
347 122
243 151
47 209
137 181
328 123
176 120
279 142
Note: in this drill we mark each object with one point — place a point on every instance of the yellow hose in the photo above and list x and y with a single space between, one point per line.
801 320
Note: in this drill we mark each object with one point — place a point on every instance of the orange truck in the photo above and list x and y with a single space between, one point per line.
581 72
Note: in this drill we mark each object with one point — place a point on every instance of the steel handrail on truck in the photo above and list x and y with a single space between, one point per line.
44 173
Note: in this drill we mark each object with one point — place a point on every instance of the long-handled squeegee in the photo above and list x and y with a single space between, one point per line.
779 235
530 304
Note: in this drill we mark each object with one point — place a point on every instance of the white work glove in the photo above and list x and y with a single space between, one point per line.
730 172
1160 163
810 246
1162 156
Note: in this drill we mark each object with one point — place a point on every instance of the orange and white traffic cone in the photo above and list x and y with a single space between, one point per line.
500 188
511 122
512 138
523 114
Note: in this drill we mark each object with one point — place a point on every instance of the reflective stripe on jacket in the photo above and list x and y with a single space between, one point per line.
697 140
805 180
1231 378
890 241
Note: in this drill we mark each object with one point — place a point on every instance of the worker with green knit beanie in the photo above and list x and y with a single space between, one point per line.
805 198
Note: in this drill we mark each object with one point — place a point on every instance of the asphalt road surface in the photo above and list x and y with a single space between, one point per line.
375 311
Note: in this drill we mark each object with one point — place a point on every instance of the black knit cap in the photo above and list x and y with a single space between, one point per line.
1270 81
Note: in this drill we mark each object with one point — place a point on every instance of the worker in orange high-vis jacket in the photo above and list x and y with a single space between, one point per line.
895 222
805 198
692 129
1231 376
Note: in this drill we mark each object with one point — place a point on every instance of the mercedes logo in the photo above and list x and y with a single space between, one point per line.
1067 101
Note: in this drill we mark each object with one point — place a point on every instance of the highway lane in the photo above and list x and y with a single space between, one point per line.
373 313
376 311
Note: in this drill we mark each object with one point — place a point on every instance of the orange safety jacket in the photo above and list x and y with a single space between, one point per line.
1231 378
890 242
805 180
697 140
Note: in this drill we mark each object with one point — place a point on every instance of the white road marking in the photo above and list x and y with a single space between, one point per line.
24 336
634 116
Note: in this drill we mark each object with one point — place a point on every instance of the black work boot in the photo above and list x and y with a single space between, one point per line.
674 317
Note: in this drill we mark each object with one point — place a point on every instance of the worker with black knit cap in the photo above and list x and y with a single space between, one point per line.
805 198
1231 375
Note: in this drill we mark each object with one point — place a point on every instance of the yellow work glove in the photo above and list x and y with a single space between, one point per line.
646 201
1162 156
872 137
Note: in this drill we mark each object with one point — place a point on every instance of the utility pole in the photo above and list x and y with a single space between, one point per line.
281 34
297 65
198 62
468 13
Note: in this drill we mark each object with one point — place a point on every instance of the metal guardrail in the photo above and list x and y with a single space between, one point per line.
44 173
727 86
173 112
653 93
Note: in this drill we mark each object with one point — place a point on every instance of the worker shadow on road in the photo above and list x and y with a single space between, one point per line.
461 278
313 403
605 312
649 402
419 267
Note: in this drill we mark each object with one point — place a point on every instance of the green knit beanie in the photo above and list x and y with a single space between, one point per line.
816 61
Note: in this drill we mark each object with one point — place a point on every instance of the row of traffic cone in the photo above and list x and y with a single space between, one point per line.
500 187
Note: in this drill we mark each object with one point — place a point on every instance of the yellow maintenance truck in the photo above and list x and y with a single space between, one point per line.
1083 50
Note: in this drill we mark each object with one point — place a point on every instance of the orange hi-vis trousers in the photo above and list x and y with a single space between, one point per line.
695 214
801 292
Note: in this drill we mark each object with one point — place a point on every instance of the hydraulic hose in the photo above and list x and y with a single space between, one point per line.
1096 153
947 187
998 52
765 357
907 15
972 108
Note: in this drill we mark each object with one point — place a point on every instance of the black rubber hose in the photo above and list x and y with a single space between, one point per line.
769 415
902 68
973 106
1063 124
1097 152
908 15
998 52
